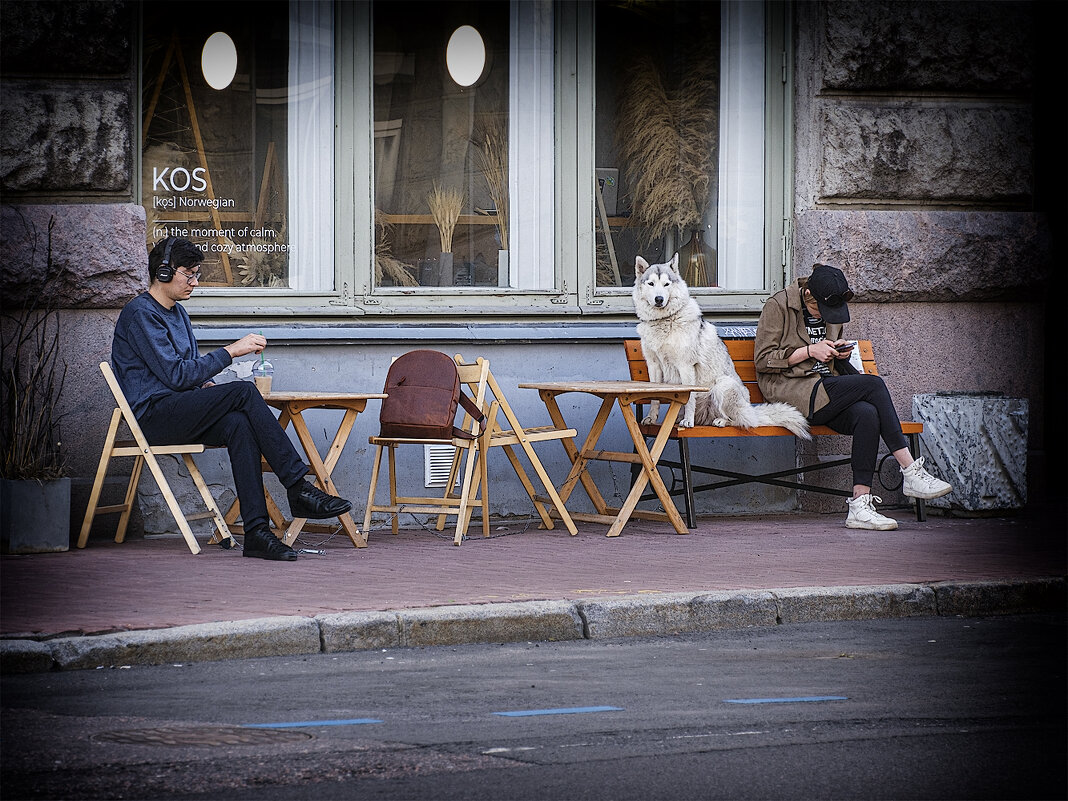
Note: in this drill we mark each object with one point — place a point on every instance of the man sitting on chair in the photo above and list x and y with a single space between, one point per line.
169 386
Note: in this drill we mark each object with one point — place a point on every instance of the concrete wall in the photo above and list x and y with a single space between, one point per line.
915 173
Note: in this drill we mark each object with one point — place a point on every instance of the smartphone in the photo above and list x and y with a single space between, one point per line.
843 349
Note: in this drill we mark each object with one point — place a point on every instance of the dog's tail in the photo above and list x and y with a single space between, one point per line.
782 414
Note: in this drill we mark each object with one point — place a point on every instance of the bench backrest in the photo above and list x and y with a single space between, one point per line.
741 351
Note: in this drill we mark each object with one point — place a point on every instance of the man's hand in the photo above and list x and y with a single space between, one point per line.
250 343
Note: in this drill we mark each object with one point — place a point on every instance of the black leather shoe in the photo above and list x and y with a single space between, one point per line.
307 500
262 544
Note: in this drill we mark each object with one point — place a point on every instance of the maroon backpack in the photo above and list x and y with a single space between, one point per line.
424 390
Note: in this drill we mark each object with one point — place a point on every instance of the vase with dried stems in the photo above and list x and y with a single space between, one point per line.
35 505
445 207
667 142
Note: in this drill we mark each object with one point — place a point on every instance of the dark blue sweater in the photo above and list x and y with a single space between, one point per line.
155 354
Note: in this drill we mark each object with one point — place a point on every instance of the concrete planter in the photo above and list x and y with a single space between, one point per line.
34 516
978 443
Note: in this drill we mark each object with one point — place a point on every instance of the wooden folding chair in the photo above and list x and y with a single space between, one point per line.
143 454
493 406
474 376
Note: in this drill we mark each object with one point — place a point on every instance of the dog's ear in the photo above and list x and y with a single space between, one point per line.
640 266
675 262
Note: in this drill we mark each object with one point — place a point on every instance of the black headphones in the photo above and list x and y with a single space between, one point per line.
165 272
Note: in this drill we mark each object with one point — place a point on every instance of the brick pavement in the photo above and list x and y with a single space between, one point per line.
156 583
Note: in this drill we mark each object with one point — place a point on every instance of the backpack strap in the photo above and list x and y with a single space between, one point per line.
476 413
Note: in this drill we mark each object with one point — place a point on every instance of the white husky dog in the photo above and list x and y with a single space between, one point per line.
681 348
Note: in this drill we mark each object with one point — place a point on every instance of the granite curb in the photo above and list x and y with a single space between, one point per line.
655 614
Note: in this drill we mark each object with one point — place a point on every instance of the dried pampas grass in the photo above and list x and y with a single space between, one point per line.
386 265
492 149
667 140
445 207
606 274
260 268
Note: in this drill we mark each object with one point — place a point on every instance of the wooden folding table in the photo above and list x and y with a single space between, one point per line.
623 394
292 406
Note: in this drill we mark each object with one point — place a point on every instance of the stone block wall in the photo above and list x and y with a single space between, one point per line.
69 94
915 172
67 136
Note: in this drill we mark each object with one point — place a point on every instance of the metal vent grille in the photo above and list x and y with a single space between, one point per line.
437 460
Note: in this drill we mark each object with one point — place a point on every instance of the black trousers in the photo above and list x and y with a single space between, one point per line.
861 406
235 415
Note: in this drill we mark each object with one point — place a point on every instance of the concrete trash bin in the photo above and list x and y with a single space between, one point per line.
978 443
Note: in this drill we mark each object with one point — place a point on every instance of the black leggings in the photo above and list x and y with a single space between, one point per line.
234 415
861 406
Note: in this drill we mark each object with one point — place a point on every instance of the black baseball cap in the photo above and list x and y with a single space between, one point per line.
829 287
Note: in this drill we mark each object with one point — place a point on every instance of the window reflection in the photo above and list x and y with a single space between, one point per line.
440 149
245 169
657 137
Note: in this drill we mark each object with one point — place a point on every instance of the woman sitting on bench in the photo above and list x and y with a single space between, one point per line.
801 359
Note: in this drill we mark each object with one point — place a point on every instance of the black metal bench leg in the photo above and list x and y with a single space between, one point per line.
921 504
687 482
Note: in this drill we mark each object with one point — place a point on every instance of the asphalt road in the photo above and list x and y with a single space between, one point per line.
923 708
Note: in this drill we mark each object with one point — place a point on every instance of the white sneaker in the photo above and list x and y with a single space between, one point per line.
862 514
918 483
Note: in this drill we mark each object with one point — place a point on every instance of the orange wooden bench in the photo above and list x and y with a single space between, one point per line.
741 351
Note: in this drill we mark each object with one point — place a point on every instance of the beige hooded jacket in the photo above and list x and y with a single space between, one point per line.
780 331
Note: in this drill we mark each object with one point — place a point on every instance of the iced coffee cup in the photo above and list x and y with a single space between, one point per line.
262 373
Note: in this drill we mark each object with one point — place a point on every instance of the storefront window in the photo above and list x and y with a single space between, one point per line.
442 93
506 156
657 136
237 138
680 141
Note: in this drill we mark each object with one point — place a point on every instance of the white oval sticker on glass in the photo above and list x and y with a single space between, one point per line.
465 55
218 60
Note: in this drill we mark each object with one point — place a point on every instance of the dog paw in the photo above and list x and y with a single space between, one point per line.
649 420
686 423
721 422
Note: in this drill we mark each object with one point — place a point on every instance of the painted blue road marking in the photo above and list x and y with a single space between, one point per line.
575 710
298 724
802 700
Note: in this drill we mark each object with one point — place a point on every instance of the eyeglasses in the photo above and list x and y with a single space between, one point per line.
837 299
189 277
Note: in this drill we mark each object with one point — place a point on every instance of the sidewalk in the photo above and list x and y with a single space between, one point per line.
70 609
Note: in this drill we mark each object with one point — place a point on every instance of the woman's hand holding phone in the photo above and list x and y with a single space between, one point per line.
843 347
